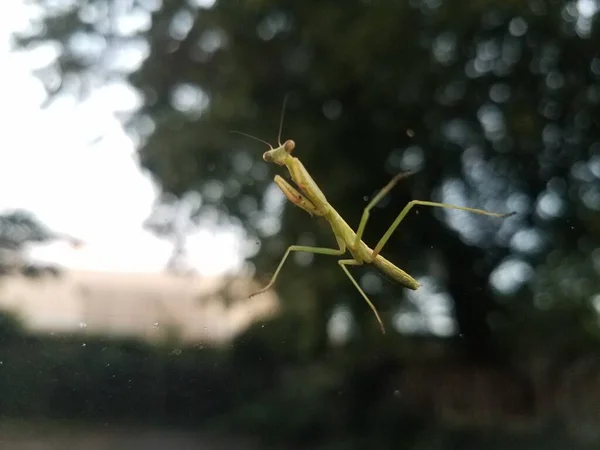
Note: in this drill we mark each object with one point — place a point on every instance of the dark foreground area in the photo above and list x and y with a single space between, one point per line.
45 435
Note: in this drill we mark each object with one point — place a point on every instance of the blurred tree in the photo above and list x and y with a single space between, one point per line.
173 219
18 228
493 103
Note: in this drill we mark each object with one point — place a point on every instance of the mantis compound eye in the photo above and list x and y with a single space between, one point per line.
267 157
289 146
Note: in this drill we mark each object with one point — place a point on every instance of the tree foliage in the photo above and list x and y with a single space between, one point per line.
19 227
493 104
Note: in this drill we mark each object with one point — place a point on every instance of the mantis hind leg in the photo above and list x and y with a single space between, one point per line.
300 248
352 262
408 207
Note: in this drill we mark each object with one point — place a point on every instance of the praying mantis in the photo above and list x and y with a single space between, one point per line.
311 199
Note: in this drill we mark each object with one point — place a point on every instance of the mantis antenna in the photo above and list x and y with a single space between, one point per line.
285 99
280 127
252 137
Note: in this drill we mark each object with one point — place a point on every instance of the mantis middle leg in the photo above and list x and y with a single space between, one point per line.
301 248
367 211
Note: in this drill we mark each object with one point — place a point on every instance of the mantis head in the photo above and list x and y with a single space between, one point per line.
280 154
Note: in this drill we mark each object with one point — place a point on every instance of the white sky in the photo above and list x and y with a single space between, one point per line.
93 192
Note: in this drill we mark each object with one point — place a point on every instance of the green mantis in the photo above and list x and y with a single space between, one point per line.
310 198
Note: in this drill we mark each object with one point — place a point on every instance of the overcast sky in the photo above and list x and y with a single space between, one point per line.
94 192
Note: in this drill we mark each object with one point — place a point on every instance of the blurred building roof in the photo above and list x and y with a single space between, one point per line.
150 306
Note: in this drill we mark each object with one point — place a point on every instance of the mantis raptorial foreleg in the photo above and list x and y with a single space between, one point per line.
352 262
301 248
408 207
301 201
296 197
